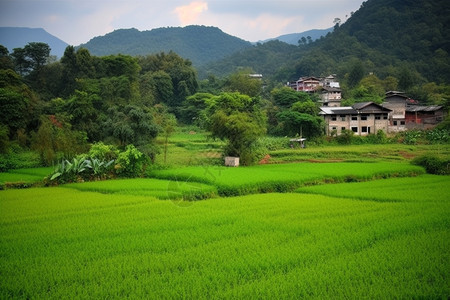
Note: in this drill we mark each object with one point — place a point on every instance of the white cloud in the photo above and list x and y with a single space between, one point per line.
189 14
77 21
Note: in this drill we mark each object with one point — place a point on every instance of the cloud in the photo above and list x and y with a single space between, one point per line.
189 14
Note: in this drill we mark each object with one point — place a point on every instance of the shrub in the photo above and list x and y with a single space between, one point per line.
345 137
437 136
131 162
411 137
433 164
103 152
81 169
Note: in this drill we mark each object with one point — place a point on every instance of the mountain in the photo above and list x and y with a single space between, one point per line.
293 38
18 37
200 44
407 39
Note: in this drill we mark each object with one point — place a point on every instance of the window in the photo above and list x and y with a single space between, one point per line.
343 128
377 117
354 117
333 128
355 129
333 118
342 117
363 117
385 116
402 122
395 123
364 129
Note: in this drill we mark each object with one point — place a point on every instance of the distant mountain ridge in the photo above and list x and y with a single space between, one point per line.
18 37
407 39
200 44
293 38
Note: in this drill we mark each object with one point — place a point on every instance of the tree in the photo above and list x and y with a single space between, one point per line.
17 102
285 96
294 123
195 109
130 125
5 60
238 119
167 124
38 54
242 82
356 73
81 107
163 87
307 107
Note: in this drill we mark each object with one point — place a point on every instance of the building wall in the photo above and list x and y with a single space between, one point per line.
360 124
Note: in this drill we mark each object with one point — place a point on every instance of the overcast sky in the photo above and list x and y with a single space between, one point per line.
77 21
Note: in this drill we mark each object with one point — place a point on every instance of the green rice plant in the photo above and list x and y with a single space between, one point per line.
23 177
161 189
66 243
283 177
424 188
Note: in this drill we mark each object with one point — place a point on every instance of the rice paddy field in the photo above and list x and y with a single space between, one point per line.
334 222
385 237
24 176
283 177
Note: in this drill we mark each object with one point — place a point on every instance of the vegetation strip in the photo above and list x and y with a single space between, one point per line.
61 242
283 177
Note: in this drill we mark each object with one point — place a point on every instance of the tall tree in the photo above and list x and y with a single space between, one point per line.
238 119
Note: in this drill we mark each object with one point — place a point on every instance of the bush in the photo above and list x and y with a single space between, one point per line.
131 162
81 169
103 152
345 137
433 164
437 136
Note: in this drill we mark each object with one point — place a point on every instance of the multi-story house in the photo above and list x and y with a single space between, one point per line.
407 114
305 84
361 118
330 96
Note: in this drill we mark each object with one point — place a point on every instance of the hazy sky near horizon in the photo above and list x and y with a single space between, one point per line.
78 21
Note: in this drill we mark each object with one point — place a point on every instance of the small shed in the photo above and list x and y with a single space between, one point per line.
300 141
231 161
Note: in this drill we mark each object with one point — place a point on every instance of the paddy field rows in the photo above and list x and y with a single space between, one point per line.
140 238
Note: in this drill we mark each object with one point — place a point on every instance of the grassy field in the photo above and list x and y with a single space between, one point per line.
341 223
358 153
161 189
72 243
427 188
283 177
26 176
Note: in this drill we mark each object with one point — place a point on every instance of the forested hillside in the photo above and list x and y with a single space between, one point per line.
387 37
200 44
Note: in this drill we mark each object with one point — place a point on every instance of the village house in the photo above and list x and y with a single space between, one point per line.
407 114
362 118
423 117
397 113
305 84
330 96
328 88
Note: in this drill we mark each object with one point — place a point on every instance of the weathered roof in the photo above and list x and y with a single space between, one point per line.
365 105
342 110
308 78
394 93
414 108
355 109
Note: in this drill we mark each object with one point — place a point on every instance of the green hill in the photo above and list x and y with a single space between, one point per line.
385 35
200 44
